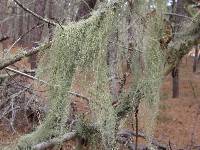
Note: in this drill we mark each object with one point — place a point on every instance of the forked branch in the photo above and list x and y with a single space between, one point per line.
34 14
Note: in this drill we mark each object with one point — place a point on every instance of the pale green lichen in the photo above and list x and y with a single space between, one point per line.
84 45
147 63
103 112
77 44
153 66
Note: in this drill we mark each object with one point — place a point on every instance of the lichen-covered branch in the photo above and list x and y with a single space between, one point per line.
123 137
19 56
182 44
55 141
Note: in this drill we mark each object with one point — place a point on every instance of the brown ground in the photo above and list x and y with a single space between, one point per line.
179 119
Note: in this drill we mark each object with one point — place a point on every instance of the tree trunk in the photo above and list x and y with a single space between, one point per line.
85 8
37 33
195 62
21 23
50 16
180 9
112 64
175 80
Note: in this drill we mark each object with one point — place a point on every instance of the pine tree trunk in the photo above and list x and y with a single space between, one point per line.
179 8
175 80
195 62
50 16
21 25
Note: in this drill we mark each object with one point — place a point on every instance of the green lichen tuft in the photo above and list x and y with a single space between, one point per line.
75 45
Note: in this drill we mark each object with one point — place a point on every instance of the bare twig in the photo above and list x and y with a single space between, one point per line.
24 74
4 38
45 82
136 127
179 15
193 89
22 36
34 14
170 147
79 96
127 133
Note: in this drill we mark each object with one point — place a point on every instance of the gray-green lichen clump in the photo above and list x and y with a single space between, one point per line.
83 45
77 44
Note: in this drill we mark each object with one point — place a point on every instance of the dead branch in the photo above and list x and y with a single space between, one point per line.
79 96
179 15
4 38
25 75
4 76
22 36
123 137
9 61
48 144
35 15
128 134
45 82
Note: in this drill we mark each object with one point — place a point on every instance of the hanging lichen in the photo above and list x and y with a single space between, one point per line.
84 45
77 44
153 66
147 62
103 112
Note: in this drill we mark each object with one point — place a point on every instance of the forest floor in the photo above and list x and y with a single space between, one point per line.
179 118
178 122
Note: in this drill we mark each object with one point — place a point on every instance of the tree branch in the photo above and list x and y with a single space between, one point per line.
123 137
45 82
22 36
8 61
24 74
48 144
179 15
4 38
35 15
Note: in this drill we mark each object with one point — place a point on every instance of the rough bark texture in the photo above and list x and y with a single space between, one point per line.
180 9
112 64
50 16
21 25
175 81
85 8
195 58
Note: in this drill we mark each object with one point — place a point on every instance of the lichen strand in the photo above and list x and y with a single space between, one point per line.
103 112
77 44
154 64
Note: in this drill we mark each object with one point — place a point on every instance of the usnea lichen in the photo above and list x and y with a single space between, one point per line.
84 45
77 44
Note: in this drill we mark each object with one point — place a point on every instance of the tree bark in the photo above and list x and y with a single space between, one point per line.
180 9
112 64
39 9
21 25
175 81
85 8
50 16
195 62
